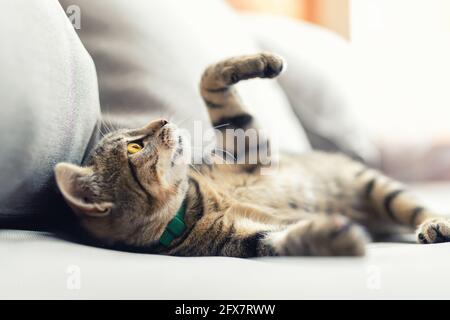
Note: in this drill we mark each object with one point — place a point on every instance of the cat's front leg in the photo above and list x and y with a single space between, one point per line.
321 235
228 112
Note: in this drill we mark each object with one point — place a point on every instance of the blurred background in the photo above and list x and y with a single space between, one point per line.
332 14
402 49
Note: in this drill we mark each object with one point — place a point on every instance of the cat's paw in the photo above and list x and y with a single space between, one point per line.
263 65
434 231
273 65
326 236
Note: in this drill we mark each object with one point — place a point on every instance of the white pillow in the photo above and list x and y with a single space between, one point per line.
319 82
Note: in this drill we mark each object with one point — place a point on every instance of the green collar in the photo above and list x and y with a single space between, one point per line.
175 228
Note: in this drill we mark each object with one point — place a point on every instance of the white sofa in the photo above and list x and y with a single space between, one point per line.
39 266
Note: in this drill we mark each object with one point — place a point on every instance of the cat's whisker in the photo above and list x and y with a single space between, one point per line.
221 158
106 120
180 123
226 152
110 124
221 125
113 126
172 116
106 129
196 170
213 153
99 128
210 154
106 125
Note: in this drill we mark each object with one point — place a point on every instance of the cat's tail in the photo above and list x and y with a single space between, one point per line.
225 107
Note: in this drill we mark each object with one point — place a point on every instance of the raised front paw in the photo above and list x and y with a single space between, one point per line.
273 65
263 65
434 231
325 236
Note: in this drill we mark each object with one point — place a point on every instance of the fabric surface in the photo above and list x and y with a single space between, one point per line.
150 56
319 83
37 265
49 104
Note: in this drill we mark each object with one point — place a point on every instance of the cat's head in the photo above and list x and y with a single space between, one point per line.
132 183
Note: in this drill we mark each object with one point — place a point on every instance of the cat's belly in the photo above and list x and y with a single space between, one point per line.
312 183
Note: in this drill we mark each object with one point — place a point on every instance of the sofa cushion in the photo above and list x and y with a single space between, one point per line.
150 56
49 103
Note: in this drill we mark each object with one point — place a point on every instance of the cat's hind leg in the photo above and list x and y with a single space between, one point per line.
394 204
434 230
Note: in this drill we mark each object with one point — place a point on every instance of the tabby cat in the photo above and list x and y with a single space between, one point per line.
131 192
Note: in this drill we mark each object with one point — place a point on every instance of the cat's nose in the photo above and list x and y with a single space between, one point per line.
156 125
152 127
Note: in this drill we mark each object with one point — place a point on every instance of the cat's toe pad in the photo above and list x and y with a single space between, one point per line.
434 231
263 65
273 65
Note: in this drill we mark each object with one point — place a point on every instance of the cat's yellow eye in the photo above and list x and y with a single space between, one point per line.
133 148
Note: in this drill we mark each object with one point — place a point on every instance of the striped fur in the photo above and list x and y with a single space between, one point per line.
316 204
225 107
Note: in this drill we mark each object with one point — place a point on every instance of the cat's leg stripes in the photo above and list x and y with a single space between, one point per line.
390 199
224 105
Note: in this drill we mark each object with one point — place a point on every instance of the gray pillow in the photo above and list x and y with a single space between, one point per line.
49 106
150 56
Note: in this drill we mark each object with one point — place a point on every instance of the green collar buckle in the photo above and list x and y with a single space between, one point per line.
175 228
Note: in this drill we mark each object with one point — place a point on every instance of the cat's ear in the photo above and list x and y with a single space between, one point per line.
72 181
